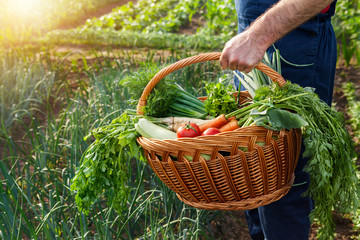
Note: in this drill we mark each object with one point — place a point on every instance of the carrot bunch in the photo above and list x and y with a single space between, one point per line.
222 123
232 121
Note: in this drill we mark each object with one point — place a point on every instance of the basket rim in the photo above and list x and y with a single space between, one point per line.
274 76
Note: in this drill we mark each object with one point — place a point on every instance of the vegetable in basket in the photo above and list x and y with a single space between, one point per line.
167 98
211 131
218 100
189 129
150 130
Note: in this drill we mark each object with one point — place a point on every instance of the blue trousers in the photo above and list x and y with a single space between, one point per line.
312 45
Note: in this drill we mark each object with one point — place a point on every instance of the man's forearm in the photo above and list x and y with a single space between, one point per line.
244 51
284 17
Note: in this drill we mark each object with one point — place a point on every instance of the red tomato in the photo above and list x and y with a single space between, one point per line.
211 131
188 130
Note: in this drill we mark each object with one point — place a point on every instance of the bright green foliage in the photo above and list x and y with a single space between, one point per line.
347 29
219 101
104 164
159 100
330 149
179 16
221 18
132 16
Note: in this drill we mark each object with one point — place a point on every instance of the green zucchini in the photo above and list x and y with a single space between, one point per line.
150 130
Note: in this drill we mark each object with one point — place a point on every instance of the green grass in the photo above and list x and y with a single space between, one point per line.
25 84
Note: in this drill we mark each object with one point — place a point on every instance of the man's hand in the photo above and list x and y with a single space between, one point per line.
244 51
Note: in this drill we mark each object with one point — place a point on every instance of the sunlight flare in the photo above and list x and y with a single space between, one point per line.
25 7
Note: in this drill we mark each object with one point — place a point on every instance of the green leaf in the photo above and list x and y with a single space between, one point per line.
281 119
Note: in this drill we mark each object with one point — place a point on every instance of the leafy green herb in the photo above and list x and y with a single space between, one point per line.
166 99
219 101
329 147
104 164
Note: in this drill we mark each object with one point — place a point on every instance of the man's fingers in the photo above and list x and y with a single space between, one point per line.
233 65
248 69
224 61
228 60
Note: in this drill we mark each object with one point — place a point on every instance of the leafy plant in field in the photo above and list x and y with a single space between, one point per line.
354 108
221 18
133 17
347 28
179 16
348 49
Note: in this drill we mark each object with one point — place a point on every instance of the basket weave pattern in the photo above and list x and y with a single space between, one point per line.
248 167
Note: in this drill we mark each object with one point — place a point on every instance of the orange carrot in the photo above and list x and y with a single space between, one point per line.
217 122
230 126
231 118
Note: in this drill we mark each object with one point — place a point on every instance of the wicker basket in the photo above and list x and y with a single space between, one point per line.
232 179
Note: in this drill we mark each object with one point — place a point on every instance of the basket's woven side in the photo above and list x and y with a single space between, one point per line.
248 167
230 175
244 204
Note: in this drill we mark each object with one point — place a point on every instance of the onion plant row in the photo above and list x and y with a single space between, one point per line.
35 197
24 85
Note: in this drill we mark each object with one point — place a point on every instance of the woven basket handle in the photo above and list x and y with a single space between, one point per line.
274 76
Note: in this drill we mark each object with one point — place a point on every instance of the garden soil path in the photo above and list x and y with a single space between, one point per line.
232 225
